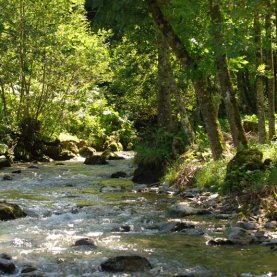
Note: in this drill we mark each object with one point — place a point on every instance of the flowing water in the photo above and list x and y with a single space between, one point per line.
69 201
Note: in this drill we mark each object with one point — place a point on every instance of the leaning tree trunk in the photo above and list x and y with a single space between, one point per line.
270 67
164 86
259 81
224 78
206 105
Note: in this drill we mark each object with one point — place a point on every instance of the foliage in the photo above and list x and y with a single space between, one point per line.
156 147
212 175
46 62
96 121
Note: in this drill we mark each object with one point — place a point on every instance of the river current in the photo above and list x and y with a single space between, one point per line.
69 201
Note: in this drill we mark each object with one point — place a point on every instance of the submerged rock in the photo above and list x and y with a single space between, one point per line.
87 242
126 264
193 232
175 227
119 174
7 177
17 171
27 268
239 235
7 266
95 160
124 228
10 211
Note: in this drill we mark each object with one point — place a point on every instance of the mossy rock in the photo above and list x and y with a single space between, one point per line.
87 151
10 211
57 153
243 163
113 145
110 155
70 146
95 160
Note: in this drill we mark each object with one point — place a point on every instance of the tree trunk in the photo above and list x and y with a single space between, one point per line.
224 78
270 67
164 86
3 98
210 117
259 80
186 125
248 102
206 105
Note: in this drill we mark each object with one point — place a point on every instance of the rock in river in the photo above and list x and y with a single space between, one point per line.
119 174
86 242
239 235
7 266
4 162
10 211
183 209
126 264
95 160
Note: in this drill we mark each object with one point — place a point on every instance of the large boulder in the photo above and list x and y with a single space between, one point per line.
240 168
57 153
10 211
126 264
95 160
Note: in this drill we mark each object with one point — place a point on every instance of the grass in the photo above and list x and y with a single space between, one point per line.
210 174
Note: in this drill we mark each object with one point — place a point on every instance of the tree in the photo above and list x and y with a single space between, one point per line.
259 79
200 82
270 67
47 55
224 77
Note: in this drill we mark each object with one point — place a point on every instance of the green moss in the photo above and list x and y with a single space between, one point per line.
85 203
15 194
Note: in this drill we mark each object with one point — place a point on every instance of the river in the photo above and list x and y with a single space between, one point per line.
69 201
